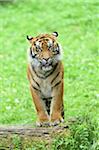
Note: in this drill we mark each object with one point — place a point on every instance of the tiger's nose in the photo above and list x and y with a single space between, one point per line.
46 61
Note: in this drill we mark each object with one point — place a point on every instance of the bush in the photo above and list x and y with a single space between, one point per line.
83 136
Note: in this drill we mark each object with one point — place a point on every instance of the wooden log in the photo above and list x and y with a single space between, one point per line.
25 136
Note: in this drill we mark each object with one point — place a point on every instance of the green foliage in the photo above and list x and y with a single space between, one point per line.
16 142
34 145
83 137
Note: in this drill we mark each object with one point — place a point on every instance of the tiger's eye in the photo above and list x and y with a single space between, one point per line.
38 49
50 43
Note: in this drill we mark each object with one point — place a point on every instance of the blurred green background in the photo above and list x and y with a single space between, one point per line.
77 23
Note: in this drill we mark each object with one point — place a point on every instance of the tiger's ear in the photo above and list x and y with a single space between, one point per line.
55 34
30 38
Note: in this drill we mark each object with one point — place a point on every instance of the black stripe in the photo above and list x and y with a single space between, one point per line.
37 74
33 56
47 98
42 37
35 88
55 77
44 77
62 111
56 84
36 82
52 70
57 52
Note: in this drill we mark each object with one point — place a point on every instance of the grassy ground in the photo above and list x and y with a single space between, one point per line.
78 25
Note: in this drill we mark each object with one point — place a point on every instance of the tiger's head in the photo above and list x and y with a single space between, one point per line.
45 51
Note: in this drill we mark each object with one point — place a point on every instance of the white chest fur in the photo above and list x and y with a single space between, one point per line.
46 88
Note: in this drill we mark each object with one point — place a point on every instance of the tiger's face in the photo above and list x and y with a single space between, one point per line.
44 51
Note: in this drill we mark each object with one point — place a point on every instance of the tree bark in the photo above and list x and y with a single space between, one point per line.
23 136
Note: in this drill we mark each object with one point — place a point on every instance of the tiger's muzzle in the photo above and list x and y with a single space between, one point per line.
46 62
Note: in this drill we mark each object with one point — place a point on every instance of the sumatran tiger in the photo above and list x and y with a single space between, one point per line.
45 74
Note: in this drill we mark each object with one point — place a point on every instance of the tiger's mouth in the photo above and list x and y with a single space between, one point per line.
47 67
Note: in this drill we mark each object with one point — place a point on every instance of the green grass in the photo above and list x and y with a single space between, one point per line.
77 23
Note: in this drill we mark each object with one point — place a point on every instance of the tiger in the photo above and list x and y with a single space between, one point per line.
45 73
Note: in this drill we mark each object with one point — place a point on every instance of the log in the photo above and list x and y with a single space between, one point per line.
25 136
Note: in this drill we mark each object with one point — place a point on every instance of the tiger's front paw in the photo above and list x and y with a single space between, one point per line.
55 122
43 120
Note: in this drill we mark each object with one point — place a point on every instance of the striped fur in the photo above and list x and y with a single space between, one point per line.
45 74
